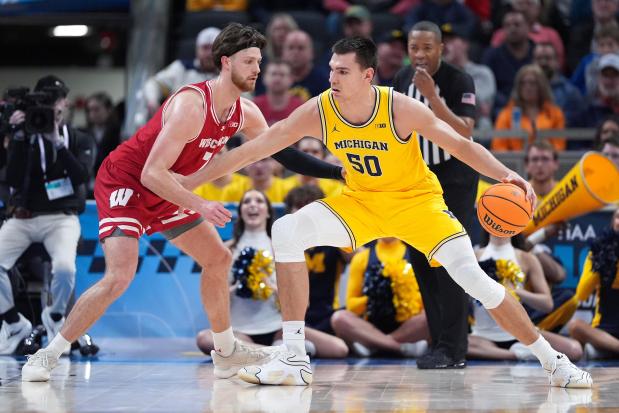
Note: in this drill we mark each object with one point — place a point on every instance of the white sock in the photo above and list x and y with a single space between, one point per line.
294 336
544 353
224 342
415 349
58 345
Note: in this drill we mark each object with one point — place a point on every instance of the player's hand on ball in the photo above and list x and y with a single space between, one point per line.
214 212
514 178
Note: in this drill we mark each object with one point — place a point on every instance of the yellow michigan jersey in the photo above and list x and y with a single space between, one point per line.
389 192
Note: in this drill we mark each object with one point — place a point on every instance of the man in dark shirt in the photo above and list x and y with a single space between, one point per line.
505 60
566 95
450 94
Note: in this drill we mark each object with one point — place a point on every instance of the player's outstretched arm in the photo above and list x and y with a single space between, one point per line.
304 121
409 114
183 121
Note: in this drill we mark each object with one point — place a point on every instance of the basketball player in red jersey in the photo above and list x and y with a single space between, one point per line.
138 191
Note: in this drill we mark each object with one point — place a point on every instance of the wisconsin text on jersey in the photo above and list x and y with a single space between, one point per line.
213 143
359 143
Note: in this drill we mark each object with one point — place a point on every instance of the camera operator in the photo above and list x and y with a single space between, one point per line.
48 173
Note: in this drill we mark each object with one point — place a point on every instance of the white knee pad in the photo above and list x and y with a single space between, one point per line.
311 226
459 260
287 244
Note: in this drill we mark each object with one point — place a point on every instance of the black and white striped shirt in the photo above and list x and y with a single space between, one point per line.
454 87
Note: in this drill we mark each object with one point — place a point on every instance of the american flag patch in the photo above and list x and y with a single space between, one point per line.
468 98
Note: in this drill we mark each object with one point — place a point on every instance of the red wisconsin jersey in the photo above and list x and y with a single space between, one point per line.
131 155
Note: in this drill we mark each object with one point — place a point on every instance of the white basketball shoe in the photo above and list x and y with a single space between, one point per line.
39 366
243 355
283 368
562 373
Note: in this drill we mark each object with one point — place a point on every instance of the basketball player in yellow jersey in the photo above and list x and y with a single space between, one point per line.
389 193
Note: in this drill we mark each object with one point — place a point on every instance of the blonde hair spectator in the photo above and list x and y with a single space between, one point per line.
531 95
278 28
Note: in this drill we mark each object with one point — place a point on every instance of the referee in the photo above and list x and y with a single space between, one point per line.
450 94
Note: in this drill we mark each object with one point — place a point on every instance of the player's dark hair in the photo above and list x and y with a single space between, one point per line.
300 196
426 26
233 38
364 50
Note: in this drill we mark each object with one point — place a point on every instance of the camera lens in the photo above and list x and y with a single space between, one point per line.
40 119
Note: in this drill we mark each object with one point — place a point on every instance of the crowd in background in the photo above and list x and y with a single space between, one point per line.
525 77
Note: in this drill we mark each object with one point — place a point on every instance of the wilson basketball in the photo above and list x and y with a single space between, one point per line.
503 210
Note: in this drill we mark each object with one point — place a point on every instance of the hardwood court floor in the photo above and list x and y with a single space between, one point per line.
165 376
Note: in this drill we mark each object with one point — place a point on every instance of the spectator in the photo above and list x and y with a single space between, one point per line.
182 72
391 52
357 22
224 5
325 266
443 12
314 148
277 103
481 8
48 173
605 41
605 102
533 98
308 79
353 20
566 96
606 128
610 149
604 13
507 59
379 317
556 14
263 10
213 191
374 6
601 337
537 32
254 315
261 178
522 275
541 164
456 52
101 123
278 28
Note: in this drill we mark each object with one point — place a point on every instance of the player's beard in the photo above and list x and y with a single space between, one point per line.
244 84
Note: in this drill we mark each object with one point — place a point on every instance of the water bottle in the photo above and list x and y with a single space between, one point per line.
516 117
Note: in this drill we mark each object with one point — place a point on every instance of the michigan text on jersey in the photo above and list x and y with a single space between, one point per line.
358 143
